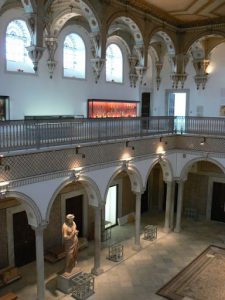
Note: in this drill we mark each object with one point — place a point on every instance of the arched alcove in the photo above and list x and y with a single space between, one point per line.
204 190
19 216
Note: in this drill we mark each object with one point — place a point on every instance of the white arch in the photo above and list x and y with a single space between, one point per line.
78 8
166 169
92 190
135 179
187 166
33 212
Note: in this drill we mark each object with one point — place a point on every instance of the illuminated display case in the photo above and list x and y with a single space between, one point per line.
112 108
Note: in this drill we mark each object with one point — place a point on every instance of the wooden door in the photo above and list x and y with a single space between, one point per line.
24 240
74 205
218 202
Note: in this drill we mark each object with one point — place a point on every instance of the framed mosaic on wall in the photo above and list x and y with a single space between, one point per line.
222 110
4 108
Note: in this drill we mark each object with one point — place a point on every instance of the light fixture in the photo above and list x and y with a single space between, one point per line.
77 152
128 146
71 7
203 141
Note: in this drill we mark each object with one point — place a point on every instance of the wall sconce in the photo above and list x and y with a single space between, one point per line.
128 146
203 141
161 140
77 152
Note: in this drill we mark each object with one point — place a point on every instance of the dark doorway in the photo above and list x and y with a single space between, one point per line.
74 206
218 202
145 110
145 105
164 195
175 196
144 200
24 240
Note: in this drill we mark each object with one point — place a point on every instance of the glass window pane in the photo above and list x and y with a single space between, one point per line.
74 56
111 205
114 64
17 39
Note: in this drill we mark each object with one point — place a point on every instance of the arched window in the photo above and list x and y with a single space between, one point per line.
114 64
17 39
74 56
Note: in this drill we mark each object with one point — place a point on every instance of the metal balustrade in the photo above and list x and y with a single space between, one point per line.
35 134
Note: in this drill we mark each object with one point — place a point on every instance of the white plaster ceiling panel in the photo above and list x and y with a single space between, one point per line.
184 12
171 5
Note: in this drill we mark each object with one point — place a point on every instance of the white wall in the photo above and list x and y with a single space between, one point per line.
40 95
210 99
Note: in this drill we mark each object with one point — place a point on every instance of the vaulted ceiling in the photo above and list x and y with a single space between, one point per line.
184 13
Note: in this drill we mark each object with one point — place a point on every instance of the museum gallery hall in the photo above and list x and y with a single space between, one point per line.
112 149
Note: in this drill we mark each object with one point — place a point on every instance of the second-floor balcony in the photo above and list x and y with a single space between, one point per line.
38 134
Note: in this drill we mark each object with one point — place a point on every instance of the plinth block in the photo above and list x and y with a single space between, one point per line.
65 280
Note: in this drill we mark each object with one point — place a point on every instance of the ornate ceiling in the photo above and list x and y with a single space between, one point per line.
184 13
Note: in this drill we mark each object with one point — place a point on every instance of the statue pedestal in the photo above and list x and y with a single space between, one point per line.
64 280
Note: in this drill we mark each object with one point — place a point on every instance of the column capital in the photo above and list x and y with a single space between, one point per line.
138 194
40 227
180 180
169 181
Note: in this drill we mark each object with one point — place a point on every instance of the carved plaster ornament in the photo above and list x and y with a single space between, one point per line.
51 45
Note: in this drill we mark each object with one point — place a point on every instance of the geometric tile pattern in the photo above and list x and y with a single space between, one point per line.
23 166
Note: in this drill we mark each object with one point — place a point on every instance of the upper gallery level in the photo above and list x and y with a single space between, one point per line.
70 51
43 149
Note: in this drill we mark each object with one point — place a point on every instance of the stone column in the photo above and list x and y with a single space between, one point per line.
168 207
40 262
137 244
102 222
172 205
97 255
179 205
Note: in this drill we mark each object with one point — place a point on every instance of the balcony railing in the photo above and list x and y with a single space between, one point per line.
35 134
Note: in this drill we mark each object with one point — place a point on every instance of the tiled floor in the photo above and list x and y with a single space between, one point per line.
140 274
